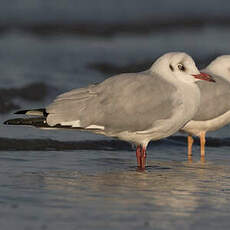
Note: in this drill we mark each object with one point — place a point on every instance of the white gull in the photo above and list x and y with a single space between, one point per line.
214 111
135 107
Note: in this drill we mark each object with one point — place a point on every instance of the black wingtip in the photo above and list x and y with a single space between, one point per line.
12 122
37 122
5 123
21 112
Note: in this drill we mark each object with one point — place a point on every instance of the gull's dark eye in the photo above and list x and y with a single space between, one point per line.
181 67
171 67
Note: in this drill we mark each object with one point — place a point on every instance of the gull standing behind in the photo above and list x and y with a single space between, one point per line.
214 111
135 107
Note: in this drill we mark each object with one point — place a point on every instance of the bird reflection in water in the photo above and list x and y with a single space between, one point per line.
172 188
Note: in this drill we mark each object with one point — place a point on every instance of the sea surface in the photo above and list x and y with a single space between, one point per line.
78 180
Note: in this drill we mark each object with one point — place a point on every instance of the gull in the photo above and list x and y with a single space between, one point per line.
134 107
214 110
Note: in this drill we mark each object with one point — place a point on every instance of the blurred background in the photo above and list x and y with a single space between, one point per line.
48 47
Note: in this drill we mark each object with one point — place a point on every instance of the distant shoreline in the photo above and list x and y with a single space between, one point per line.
13 144
111 29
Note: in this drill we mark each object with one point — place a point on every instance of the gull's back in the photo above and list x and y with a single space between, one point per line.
131 102
215 99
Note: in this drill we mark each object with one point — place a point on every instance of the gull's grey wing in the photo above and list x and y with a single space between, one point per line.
215 99
131 102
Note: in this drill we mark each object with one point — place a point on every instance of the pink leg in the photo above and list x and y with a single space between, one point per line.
143 158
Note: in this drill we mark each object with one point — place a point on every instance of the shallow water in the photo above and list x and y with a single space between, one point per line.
104 190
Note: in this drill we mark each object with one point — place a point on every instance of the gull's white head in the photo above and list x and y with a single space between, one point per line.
220 66
178 66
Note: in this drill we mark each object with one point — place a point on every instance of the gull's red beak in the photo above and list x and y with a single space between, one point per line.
204 76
